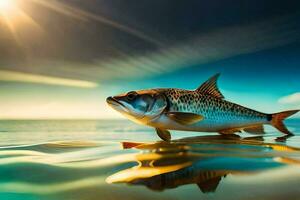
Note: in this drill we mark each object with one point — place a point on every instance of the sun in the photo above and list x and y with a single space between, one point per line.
8 9
9 14
7 6
17 21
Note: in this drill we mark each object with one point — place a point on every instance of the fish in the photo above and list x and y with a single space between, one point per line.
202 110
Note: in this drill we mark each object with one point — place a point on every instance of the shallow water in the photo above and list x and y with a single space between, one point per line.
120 160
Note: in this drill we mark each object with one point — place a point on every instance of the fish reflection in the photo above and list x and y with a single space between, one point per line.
204 161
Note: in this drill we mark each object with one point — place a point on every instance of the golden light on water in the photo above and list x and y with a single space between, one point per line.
138 172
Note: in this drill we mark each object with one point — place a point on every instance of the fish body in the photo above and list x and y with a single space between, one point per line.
218 114
203 110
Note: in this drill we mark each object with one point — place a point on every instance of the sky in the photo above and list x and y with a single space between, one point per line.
61 59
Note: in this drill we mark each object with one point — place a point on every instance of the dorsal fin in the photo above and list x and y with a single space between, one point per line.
210 87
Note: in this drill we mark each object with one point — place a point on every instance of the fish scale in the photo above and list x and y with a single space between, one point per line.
216 111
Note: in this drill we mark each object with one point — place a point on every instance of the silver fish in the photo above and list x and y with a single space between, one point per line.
203 110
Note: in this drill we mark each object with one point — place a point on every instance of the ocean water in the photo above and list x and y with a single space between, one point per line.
107 159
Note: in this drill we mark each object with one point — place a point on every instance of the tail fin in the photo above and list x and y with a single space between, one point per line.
277 120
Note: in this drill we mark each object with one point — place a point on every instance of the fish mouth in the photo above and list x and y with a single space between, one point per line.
112 101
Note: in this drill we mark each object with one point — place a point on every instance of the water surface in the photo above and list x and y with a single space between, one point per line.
88 160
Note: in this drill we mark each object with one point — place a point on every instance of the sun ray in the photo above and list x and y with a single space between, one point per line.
17 20
80 14
8 10
60 8
30 21
10 25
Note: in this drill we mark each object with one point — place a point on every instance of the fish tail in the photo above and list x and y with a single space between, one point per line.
277 119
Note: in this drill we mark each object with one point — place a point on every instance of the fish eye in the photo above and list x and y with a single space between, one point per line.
131 95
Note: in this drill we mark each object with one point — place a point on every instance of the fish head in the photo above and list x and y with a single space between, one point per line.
140 106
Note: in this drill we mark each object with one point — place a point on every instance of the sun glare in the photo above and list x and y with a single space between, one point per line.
7 6
17 20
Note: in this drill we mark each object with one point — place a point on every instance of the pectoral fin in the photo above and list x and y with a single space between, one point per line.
163 134
185 118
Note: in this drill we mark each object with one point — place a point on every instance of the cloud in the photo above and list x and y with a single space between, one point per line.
202 48
6 75
81 14
291 102
290 99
